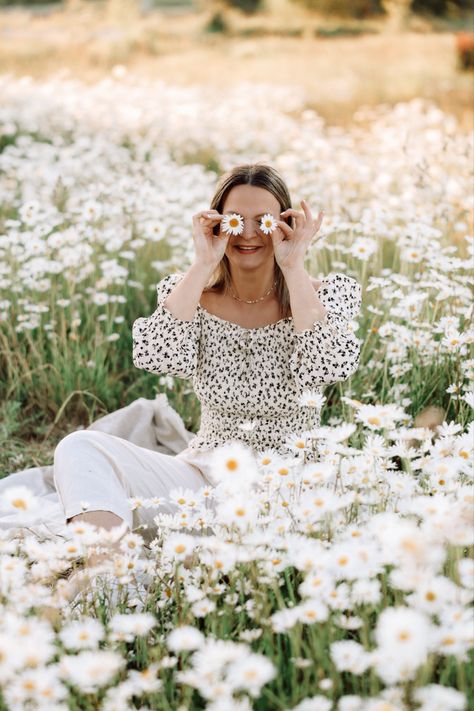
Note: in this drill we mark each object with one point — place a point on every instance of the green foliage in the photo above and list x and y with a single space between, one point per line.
7 3
345 8
361 9
440 7
341 31
217 23
270 32
247 6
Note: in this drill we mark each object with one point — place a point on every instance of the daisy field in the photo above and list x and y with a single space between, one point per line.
341 584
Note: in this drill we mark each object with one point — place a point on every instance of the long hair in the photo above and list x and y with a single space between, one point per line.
263 176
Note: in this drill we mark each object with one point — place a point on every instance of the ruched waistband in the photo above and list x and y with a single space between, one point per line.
273 427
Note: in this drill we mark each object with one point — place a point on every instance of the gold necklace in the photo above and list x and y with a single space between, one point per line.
253 301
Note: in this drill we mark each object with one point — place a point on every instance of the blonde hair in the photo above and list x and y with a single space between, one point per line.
263 176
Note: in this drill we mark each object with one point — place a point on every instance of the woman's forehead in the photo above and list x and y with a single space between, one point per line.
251 208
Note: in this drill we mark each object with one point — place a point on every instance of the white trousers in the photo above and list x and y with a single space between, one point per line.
104 470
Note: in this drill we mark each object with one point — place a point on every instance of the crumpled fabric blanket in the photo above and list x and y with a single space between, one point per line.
153 424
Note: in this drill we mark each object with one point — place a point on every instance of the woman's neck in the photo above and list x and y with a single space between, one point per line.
252 285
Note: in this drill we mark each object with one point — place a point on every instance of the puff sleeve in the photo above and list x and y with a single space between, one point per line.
329 351
163 343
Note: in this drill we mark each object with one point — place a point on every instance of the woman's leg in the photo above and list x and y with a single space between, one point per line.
98 472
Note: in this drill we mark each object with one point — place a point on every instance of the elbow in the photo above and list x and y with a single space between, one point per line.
137 361
343 371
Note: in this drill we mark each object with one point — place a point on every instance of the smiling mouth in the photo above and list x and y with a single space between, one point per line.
246 249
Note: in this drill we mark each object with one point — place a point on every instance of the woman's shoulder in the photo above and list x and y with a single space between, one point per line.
316 282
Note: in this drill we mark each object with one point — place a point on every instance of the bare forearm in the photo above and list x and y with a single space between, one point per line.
183 300
306 308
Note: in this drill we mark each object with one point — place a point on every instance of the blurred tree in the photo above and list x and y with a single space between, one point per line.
441 7
247 6
345 8
217 23
398 15
399 10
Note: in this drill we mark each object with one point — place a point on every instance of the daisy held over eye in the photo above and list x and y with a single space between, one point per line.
233 224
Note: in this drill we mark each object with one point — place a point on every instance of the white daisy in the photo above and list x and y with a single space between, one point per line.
251 673
90 669
18 498
311 398
125 627
232 224
469 398
248 425
268 223
84 633
178 545
233 464
184 638
239 510
298 443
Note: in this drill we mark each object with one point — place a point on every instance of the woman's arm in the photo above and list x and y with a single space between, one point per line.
326 351
306 308
167 341
183 300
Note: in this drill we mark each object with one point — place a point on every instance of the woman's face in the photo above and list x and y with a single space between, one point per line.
251 202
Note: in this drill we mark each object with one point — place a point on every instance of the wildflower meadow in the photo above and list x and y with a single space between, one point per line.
341 584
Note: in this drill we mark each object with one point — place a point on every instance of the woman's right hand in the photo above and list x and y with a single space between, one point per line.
209 248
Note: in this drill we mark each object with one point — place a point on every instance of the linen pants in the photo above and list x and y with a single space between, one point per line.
105 470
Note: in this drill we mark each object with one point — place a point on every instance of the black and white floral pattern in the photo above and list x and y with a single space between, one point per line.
243 375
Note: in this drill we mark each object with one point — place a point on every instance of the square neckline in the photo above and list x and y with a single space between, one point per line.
237 325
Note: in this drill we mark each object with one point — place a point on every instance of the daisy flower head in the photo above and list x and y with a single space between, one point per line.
311 398
84 633
233 465
298 443
18 498
179 545
268 223
184 639
266 458
238 509
232 224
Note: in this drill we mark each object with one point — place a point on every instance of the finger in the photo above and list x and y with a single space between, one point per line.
200 215
293 213
306 209
299 219
318 221
213 215
286 229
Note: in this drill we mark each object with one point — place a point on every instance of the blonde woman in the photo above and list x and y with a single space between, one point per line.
251 328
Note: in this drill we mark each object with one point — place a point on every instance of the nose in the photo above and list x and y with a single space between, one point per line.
249 232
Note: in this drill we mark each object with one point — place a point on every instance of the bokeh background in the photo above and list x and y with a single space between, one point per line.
343 52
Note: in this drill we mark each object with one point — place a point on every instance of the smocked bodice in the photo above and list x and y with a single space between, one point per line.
248 380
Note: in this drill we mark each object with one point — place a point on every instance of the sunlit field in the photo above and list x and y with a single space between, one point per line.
343 584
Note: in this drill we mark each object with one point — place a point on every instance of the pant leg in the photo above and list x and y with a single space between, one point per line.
104 471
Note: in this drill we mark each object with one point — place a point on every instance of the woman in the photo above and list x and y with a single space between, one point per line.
249 326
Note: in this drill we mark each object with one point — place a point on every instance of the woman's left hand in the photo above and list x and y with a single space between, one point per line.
290 245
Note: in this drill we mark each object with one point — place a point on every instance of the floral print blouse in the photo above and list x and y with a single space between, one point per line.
248 379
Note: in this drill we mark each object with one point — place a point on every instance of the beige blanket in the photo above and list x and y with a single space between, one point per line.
153 424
